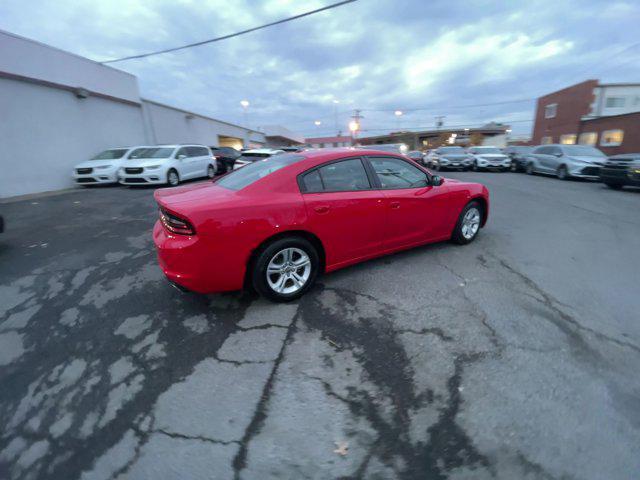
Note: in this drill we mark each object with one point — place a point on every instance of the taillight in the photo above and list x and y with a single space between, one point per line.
175 224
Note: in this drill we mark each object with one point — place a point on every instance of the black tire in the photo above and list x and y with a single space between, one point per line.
172 180
437 167
211 171
614 186
562 173
457 236
475 167
271 250
529 169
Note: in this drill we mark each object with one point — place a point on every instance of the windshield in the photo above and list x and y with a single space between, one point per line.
582 151
451 150
253 172
151 152
486 150
111 154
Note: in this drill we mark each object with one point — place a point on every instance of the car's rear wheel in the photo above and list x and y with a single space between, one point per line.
211 172
468 224
615 186
285 269
172 178
562 173
529 168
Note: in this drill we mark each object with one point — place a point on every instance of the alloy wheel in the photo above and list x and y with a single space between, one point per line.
470 223
173 178
288 270
210 172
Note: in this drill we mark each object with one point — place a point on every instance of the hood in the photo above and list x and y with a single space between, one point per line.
492 155
144 162
99 163
596 160
197 194
457 156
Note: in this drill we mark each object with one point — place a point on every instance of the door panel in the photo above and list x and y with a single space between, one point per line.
350 224
416 212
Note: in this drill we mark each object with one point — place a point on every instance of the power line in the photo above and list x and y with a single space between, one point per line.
225 37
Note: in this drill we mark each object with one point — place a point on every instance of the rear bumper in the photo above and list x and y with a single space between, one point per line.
195 264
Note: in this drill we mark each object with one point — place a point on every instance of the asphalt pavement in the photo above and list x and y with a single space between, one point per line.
513 357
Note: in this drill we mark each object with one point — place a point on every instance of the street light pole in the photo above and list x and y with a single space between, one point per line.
335 114
245 105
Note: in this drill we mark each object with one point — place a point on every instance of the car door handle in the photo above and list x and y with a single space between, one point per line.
322 209
395 204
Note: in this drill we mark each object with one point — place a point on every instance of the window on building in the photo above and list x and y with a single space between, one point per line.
588 138
568 138
546 140
612 138
615 102
550 110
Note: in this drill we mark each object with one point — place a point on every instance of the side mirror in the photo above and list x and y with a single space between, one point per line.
436 180
181 157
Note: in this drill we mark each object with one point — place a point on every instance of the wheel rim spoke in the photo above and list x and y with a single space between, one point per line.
288 270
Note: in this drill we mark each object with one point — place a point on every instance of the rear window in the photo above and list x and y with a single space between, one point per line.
260 168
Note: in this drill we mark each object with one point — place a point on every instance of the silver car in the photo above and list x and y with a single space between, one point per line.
449 157
566 161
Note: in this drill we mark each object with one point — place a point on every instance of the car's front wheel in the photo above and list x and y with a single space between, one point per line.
529 168
615 186
468 224
211 172
562 173
172 178
285 269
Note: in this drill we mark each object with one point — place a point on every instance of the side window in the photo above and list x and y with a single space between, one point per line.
347 175
342 176
542 150
395 173
182 151
554 151
312 182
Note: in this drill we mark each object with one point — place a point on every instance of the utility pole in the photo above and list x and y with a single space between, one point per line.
440 121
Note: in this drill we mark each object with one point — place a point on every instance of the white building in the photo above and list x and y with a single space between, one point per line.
58 109
615 99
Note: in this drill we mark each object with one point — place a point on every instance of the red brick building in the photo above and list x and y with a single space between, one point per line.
323 142
606 116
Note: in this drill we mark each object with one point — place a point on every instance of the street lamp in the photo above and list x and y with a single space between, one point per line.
398 114
245 105
335 113
317 123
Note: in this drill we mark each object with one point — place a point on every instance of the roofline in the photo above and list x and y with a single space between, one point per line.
591 119
11 34
619 85
198 115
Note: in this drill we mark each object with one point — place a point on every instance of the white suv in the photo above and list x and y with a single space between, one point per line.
103 168
250 156
167 164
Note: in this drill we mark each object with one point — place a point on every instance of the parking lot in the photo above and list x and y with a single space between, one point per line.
513 357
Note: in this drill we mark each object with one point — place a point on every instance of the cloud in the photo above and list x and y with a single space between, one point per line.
373 54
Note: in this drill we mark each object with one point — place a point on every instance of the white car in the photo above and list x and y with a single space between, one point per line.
103 168
489 157
167 164
250 156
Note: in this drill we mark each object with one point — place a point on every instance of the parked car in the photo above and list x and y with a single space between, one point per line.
517 154
488 157
293 148
389 147
103 168
621 170
279 223
1 224
167 164
566 161
225 158
250 156
449 157
416 156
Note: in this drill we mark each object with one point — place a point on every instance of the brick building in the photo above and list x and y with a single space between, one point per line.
323 142
606 116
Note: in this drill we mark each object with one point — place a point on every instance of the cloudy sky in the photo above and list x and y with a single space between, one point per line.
471 61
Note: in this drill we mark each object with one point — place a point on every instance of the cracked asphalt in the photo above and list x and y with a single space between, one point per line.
513 357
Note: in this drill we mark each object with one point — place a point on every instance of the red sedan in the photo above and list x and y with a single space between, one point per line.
278 223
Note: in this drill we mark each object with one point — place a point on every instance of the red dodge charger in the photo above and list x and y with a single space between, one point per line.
278 223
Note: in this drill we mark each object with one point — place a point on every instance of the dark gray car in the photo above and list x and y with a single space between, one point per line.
566 161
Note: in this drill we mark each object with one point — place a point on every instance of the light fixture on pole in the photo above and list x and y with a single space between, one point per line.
398 114
245 105
317 123
335 113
